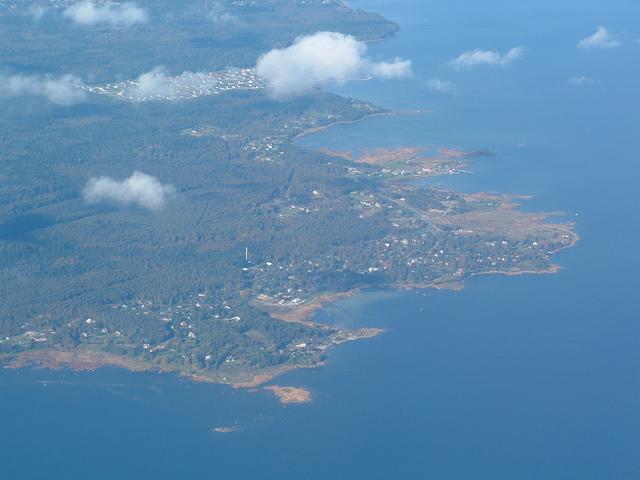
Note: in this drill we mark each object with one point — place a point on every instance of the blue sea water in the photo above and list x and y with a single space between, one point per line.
533 377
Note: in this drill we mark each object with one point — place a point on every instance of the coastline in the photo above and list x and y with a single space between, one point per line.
304 313
313 130
89 360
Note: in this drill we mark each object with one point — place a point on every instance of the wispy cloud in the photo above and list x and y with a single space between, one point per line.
87 13
581 81
36 12
442 86
386 70
602 39
139 190
475 58
599 40
219 16
322 59
157 84
64 90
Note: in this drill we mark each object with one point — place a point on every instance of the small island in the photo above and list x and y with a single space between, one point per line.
290 395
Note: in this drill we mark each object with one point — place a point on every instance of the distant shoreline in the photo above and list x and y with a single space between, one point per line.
314 130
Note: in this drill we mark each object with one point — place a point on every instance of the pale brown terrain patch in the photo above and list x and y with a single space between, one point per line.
256 381
385 156
499 214
290 395
76 360
89 360
301 313
462 154
410 161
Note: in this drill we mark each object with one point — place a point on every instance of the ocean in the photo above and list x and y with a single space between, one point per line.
530 377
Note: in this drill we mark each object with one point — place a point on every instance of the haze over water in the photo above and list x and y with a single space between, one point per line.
534 377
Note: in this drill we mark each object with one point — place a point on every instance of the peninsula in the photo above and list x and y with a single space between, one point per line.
221 281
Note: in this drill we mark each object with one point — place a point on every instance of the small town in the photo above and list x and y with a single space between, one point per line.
181 87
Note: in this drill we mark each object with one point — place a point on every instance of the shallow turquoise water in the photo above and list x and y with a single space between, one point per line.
513 378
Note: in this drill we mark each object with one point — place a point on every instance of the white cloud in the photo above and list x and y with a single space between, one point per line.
581 81
139 189
37 12
474 58
601 39
157 84
116 15
154 83
321 59
442 86
397 69
219 16
64 90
